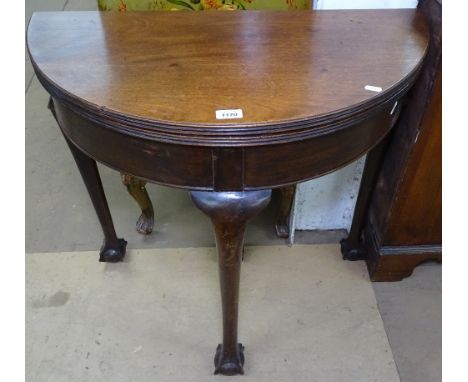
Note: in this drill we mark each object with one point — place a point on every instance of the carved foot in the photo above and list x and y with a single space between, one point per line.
111 253
352 251
227 363
145 224
136 188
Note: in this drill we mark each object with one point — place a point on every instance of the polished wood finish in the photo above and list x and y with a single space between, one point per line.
404 221
113 248
420 211
195 167
148 106
351 247
229 213
245 60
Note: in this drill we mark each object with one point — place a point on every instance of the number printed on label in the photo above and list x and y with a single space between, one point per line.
229 114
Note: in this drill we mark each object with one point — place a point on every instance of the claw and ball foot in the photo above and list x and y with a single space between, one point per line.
113 252
352 250
136 188
228 363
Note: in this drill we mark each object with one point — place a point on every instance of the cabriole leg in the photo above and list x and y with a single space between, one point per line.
113 249
136 188
229 213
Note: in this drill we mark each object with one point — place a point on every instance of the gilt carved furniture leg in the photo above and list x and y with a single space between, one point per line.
113 249
284 211
136 188
229 213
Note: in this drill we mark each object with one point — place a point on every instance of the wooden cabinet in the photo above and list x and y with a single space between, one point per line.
404 219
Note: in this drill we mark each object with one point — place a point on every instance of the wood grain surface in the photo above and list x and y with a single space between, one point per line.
155 70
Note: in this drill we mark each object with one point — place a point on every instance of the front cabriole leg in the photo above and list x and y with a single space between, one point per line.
229 213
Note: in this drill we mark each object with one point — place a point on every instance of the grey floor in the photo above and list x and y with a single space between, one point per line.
305 316
59 218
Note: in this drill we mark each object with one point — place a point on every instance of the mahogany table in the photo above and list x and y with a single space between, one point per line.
228 105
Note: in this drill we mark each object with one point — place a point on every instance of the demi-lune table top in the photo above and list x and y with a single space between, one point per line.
174 70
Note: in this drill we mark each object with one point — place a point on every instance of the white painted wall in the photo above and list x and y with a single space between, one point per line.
328 202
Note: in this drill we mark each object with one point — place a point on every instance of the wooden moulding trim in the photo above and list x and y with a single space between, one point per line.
410 250
230 135
394 263
371 238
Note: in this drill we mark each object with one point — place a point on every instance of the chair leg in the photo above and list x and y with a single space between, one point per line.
284 211
136 188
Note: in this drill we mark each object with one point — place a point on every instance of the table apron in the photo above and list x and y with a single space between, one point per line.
223 168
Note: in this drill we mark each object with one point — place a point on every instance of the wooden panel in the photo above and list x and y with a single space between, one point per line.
228 169
223 168
418 210
299 161
157 162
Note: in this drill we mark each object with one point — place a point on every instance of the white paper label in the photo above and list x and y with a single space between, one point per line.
229 114
371 88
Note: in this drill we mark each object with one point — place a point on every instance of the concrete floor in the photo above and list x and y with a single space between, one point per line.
412 314
59 218
157 317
